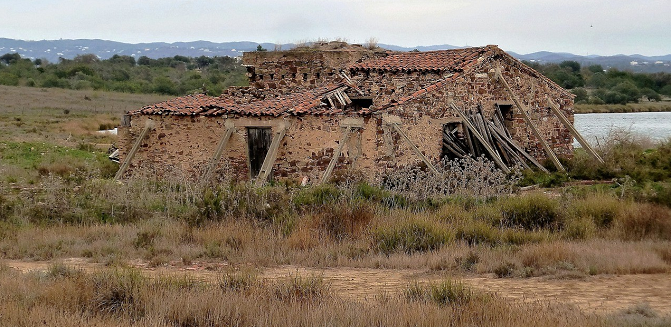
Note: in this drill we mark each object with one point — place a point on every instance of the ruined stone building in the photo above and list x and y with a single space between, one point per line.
312 111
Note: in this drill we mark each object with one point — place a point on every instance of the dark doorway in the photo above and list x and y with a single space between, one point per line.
506 112
258 142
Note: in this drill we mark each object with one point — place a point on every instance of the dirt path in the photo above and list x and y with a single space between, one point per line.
600 294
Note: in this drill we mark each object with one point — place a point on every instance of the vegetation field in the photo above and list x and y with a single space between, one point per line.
78 248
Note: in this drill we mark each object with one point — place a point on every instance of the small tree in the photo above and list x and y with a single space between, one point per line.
260 48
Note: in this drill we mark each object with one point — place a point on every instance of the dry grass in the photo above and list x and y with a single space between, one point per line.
123 298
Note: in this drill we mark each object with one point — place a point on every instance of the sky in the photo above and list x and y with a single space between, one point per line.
583 27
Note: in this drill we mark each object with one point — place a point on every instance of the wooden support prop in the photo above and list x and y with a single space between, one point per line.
268 162
480 138
502 134
414 148
522 109
212 165
508 148
149 125
336 154
574 132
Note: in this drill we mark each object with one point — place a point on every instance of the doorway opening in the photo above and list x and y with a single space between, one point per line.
258 143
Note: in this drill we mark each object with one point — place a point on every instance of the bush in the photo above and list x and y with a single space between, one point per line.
344 219
531 212
410 236
316 196
301 289
645 220
445 293
600 208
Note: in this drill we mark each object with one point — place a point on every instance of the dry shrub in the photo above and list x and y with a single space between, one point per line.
546 255
447 292
304 238
297 288
342 220
645 220
118 293
478 178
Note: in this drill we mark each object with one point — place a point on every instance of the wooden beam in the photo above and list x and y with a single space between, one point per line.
502 134
149 124
481 138
574 132
336 154
415 149
269 160
214 161
531 125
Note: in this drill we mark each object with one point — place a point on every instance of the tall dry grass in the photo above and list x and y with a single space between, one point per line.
123 298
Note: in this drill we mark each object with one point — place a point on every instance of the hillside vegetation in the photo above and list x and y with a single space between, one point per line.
594 86
176 75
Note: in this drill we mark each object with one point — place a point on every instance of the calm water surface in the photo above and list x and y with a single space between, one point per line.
596 127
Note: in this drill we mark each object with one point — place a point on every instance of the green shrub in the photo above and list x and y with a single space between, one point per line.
531 212
477 232
316 196
410 236
602 209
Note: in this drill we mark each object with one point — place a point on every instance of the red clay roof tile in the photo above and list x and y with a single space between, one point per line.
299 103
443 60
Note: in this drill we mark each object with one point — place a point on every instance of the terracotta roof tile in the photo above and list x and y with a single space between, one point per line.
298 103
444 60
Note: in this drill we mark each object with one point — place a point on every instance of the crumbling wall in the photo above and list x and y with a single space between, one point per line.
480 90
182 146
299 68
386 86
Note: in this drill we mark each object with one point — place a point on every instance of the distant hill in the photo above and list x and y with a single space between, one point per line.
52 50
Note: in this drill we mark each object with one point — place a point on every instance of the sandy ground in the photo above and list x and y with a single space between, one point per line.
598 294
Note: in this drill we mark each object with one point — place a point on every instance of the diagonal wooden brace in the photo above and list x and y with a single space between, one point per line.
336 155
268 162
522 108
574 132
212 165
149 125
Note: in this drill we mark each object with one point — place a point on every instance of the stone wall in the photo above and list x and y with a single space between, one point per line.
305 68
183 145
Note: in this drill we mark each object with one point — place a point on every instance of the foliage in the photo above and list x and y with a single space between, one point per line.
176 75
594 85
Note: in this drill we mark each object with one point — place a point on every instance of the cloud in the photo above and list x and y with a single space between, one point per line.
517 25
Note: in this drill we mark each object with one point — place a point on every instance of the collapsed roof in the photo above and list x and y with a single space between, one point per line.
331 97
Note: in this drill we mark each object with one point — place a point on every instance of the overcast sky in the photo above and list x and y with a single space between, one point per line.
584 27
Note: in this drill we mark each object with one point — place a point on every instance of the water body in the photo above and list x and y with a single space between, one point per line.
596 127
